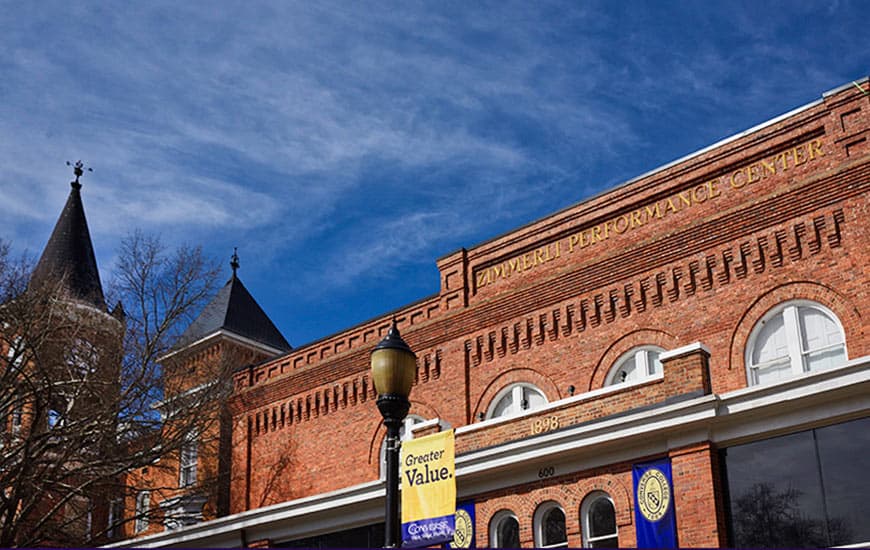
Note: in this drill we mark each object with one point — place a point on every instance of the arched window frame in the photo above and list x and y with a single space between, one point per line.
495 523
794 363
520 403
404 435
539 526
591 540
646 364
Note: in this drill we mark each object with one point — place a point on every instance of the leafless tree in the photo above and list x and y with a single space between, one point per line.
89 415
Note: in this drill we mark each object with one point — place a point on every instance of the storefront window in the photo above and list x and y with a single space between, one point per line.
806 489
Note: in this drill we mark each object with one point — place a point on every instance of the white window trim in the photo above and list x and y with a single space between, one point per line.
89 520
538 525
115 515
644 367
494 523
15 353
143 506
516 407
188 461
586 528
796 353
17 419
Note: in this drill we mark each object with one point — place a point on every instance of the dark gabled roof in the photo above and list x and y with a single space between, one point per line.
234 309
68 258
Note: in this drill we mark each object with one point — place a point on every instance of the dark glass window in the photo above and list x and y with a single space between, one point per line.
800 490
507 532
844 453
371 536
599 522
554 527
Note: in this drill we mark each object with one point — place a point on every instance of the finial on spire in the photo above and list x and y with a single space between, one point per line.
78 170
234 261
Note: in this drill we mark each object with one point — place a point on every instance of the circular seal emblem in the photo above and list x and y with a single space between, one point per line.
653 494
464 534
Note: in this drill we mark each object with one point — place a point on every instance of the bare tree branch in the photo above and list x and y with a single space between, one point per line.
81 393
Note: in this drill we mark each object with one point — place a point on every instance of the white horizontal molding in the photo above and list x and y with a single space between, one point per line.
752 413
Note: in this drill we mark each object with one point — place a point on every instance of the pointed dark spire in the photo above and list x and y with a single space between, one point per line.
68 257
233 309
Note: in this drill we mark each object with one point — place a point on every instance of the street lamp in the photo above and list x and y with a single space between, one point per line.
393 368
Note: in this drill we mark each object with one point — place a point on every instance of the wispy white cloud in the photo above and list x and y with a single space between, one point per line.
295 129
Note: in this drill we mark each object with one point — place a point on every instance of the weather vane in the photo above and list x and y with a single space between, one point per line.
234 261
78 170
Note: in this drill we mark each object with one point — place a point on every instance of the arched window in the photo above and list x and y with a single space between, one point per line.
504 530
794 337
635 365
550 526
404 433
598 521
515 399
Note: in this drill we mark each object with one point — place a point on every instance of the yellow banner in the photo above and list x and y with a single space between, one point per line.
428 489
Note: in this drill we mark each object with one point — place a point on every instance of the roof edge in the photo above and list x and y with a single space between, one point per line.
663 167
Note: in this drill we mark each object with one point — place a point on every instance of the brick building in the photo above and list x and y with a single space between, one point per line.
712 312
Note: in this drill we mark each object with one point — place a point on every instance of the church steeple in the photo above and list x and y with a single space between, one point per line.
68 257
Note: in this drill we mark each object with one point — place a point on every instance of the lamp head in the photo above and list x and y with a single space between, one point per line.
394 365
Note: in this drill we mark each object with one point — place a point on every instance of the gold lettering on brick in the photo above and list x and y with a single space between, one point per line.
545 424
737 179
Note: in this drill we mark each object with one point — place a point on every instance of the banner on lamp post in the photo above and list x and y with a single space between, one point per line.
428 490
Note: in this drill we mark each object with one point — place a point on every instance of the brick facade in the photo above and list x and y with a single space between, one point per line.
694 252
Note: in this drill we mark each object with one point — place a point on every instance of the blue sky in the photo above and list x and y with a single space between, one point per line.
345 146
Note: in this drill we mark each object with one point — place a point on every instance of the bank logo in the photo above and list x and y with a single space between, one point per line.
653 494
463 537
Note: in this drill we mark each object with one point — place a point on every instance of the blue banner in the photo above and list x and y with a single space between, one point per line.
463 537
429 531
654 515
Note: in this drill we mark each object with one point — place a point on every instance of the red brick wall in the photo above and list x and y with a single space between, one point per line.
307 423
695 472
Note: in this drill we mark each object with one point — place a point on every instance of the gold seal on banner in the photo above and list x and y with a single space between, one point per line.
653 494
464 534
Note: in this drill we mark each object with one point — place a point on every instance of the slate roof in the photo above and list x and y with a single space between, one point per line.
234 309
69 255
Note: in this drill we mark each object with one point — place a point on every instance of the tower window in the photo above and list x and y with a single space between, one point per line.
143 505
188 461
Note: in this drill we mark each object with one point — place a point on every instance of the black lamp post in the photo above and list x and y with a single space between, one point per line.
393 368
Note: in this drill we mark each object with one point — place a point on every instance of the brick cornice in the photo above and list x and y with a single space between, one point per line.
807 196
